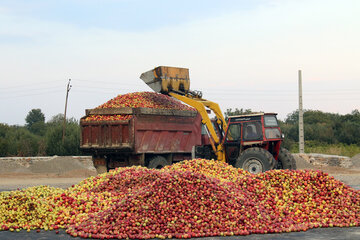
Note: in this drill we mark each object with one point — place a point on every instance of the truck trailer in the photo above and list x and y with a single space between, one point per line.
150 137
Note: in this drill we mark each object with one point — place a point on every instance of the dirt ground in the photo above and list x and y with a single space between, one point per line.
13 181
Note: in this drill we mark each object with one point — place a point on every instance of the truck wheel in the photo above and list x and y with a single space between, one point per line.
286 160
157 162
255 160
101 169
100 164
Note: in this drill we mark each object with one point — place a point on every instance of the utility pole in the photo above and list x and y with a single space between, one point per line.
66 100
301 117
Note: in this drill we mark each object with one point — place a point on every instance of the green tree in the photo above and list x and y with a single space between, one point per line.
320 132
230 112
35 122
291 134
4 129
323 128
57 119
349 133
54 144
292 118
18 141
27 143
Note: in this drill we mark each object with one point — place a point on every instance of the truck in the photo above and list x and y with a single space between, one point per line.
151 137
158 137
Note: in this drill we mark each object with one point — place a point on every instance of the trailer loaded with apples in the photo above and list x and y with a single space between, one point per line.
154 135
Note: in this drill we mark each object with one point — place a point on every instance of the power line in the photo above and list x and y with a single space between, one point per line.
26 95
27 90
104 82
31 84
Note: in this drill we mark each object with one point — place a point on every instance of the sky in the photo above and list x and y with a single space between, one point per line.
240 54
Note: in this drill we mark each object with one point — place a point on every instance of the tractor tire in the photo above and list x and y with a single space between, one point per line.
158 162
255 160
286 160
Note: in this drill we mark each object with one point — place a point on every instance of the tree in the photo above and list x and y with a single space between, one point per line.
348 133
35 122
27 143
230 112
54 144
18 141
57 119
292 118
3 140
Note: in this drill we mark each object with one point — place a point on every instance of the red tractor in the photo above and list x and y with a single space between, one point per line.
253 142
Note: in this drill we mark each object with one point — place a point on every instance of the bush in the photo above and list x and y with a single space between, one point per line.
53 137
40 138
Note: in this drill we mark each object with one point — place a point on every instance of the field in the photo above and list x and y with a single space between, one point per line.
331 149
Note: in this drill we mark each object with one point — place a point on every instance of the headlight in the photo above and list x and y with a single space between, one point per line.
271 133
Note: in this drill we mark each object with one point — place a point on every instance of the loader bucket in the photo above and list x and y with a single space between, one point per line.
166 79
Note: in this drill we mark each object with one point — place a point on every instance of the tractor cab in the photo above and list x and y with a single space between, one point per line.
259 131
254 127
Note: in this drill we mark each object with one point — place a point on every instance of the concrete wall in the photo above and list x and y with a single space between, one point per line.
65 166
325 160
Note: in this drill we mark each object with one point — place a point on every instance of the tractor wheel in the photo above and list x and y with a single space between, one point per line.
157 162
255 160
286 160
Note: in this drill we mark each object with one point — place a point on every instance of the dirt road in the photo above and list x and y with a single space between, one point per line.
19 180
11 182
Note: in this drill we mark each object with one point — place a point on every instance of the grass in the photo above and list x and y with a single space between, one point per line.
331 149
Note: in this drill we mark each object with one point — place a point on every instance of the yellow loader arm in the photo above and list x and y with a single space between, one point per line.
176 83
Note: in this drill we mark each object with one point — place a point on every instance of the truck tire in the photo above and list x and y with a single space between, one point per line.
255 160
100 164
101 169
157 162
286 160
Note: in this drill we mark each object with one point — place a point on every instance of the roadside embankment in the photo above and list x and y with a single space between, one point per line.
317 159
55 166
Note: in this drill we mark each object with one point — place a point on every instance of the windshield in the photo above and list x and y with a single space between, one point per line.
252 130
270 121
234 132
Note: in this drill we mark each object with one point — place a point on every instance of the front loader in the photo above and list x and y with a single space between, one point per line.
252 141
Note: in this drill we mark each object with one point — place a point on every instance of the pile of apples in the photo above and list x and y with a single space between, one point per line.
138 100
114 117
194 198
146 100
